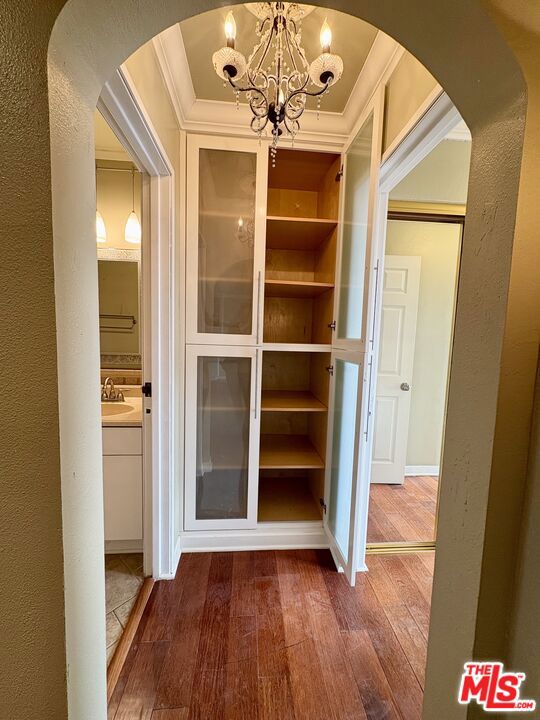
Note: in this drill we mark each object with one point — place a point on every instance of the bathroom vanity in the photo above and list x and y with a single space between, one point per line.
123 473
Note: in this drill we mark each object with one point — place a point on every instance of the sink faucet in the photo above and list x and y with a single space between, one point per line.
109 392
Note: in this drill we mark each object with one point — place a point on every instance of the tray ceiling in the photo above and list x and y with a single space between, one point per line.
203 34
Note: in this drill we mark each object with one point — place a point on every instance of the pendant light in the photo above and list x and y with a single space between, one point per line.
101 232
132 233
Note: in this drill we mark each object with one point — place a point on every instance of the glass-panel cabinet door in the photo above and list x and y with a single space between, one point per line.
341 493
347 480
226 202
222 437
360 178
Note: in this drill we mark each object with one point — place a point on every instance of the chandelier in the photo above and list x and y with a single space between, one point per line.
277 78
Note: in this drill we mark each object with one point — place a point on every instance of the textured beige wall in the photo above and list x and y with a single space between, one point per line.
524 640
408 87
32 639
89 42
438 246
519 20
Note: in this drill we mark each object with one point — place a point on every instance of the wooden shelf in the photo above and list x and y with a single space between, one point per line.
295 288
287 500
292 233
290 401
296 347
288 452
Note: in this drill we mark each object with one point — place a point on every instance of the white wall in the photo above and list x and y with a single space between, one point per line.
438 246
442 177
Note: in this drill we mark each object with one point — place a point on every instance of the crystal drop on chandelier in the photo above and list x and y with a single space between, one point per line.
277 77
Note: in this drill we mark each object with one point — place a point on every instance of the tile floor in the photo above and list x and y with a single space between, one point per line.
123 580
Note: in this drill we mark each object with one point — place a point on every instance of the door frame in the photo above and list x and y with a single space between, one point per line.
441 117
124 111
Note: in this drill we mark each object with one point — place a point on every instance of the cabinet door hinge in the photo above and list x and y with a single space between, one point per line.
323 505
339 174
147 389
330 369
332 325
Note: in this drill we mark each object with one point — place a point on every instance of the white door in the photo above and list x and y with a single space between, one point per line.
348 413
226 227
401 285
222 437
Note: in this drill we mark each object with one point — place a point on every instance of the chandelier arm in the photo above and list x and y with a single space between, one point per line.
260 109
310 93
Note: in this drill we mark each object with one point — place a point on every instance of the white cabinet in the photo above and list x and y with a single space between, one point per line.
279 277
226 208
122 484
222 421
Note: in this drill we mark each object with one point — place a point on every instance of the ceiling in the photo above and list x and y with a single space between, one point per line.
107 145
203 35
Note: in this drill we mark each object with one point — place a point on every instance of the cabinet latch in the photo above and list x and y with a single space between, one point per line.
147 389
323 505
330 369
332 325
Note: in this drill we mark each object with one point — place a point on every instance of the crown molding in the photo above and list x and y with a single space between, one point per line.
218 117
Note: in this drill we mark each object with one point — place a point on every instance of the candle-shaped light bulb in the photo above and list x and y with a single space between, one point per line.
326 36
240 223
230 29
281 97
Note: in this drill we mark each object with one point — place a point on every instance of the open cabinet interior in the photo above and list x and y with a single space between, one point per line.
294 409
300 267
301 238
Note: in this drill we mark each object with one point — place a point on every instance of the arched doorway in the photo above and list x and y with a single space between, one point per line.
445 38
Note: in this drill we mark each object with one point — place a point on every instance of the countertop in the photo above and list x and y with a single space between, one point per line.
122 414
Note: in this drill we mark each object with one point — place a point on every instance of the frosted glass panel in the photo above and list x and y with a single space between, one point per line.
343 434
226 241
355 235
223 417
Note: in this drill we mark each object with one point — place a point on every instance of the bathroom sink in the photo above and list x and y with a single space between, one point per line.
116 408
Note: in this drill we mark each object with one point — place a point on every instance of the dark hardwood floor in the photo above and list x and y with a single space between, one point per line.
280 636
399 513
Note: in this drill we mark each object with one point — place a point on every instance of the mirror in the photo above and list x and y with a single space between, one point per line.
119 311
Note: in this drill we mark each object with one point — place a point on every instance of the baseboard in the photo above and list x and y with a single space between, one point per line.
115 547
421 470
268 536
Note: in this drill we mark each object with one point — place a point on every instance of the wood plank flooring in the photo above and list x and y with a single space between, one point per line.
403 513
280 636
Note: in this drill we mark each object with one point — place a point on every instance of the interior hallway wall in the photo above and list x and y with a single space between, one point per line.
408 87
32 632
442 177
508 541
438 246
88 41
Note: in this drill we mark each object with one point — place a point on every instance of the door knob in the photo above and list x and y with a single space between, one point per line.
405 387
